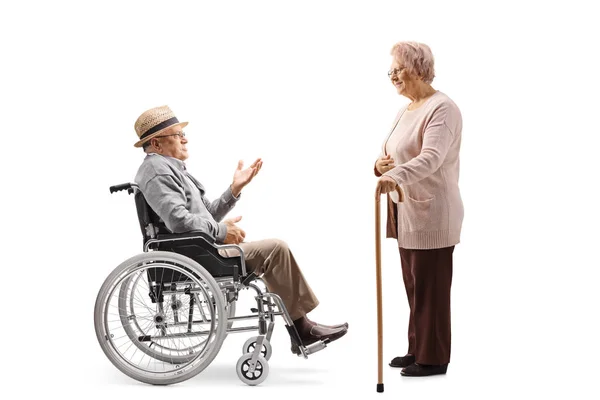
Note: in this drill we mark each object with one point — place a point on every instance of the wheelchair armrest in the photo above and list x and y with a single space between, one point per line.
187 235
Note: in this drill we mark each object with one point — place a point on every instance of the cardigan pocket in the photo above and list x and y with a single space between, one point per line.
417 214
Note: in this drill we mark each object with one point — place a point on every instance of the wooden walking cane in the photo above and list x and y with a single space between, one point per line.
379 298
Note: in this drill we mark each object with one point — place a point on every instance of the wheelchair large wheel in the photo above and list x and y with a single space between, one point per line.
160 318
134 288
127 308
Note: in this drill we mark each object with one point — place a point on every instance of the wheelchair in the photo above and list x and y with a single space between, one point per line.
161 316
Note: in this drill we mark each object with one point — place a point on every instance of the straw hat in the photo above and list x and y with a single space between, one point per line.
153 122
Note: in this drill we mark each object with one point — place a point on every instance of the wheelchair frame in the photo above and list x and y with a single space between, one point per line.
216 278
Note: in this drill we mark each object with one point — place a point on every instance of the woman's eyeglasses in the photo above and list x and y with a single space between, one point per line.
394 71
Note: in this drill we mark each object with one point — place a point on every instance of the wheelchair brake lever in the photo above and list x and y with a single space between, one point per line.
249 278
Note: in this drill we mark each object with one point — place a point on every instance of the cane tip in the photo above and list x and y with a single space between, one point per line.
380 388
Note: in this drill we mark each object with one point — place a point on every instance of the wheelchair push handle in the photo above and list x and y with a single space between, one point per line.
123 186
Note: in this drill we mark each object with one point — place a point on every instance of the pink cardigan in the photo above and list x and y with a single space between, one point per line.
425 145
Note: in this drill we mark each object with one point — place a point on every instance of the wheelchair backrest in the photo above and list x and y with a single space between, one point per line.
150 223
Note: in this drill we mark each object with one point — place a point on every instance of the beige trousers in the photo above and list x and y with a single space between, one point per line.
273 261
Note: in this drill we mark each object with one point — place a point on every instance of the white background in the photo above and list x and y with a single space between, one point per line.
304 86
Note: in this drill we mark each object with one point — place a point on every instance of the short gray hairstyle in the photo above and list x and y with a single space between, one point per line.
417 58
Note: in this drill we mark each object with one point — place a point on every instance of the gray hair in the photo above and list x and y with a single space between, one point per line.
417 58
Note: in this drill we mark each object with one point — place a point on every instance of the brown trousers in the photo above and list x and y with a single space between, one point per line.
427 277
273 261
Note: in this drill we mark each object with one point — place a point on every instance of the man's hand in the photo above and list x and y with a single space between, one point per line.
243 177
384 164
235 235
385 184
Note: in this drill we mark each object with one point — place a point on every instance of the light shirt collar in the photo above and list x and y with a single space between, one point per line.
180 164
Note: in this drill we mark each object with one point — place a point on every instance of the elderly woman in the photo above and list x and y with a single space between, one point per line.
421 156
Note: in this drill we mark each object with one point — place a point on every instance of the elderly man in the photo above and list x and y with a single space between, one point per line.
179 200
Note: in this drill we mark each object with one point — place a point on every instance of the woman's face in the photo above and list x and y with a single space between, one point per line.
400 77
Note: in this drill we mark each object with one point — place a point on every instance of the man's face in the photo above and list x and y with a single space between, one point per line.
171 143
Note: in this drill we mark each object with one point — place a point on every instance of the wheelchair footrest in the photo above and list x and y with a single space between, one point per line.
298 345
317 346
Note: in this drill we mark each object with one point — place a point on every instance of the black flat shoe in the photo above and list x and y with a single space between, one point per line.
424 370
402 362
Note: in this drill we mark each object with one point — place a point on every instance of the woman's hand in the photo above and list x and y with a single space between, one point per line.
385 184
384 164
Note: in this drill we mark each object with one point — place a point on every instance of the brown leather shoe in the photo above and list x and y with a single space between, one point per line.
319 332
344 325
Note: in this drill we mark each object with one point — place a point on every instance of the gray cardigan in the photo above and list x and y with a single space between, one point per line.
178 198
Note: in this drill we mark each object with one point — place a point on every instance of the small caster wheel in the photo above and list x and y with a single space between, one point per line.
261 370
250 345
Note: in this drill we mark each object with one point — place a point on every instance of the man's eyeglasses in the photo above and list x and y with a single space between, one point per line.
395 71
181 135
